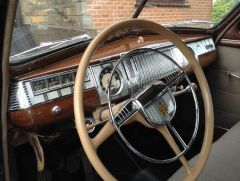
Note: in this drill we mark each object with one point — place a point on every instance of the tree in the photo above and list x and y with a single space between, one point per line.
221 8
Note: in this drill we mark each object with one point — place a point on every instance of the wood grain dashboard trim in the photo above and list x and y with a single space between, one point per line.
208 58
41 115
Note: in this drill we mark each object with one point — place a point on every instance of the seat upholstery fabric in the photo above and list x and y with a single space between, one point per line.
224 160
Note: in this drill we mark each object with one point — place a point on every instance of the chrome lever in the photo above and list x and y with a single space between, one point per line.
91 126
187 89
235 75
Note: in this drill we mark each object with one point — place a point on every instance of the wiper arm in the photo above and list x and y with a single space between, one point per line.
42 45
76 39
54 44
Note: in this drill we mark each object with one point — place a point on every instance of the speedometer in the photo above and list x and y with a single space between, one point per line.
105 78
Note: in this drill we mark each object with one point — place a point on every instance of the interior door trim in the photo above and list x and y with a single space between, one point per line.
230 43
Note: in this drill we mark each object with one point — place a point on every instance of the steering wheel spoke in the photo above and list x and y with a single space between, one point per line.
107 130
124 113
168 137
184 145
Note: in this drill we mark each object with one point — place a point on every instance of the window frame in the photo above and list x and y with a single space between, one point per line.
165 3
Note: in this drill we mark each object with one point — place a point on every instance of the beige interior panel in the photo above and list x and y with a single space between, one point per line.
228 58
227 112
220 80
225 89
221 100
221 115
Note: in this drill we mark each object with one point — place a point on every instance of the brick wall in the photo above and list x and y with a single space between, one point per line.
105 12
82 14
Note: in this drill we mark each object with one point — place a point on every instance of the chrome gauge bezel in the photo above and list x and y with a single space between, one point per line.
120 75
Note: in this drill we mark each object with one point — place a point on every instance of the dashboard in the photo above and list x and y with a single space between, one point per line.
51 93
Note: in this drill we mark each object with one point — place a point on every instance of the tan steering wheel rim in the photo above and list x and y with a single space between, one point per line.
117 29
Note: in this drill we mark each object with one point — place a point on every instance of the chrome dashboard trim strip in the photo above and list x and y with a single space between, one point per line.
23 97
21 93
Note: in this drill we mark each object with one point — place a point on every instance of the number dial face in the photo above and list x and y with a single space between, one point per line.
105 78
67 78
53 82
38 85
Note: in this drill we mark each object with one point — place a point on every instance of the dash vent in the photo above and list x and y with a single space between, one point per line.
13 100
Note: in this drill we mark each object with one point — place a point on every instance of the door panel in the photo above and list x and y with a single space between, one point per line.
222 81
225 89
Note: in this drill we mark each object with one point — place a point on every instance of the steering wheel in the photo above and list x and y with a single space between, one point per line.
142 103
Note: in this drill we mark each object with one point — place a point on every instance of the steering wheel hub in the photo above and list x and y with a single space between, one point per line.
161 109
156 103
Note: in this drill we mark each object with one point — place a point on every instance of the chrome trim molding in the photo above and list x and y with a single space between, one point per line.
23 97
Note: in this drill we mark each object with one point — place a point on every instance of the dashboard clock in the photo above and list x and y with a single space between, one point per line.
53 82
67 78
116 80
38 85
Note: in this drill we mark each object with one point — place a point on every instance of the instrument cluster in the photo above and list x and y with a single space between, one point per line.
127 79
46 88
52 82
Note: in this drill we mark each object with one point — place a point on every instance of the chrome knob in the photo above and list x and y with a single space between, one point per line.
90 121
56 110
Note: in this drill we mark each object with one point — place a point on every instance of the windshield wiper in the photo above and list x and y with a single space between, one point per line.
139 8
45 47
75 39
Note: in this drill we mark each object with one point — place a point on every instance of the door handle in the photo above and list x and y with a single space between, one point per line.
235 75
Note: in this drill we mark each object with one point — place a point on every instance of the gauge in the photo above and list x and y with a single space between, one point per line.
38 85
86 78
105 78
67 78
53 82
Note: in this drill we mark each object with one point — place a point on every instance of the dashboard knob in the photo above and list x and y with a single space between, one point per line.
89 121
56 110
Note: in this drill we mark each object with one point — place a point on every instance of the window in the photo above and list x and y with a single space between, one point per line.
43 26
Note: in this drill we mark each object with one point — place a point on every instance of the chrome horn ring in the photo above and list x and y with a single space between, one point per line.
134 103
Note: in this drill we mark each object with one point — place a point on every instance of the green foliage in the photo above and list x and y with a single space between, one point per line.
221 8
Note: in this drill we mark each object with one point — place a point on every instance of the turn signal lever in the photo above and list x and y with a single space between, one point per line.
186 90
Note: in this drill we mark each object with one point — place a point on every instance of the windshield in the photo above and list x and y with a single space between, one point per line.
42 26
